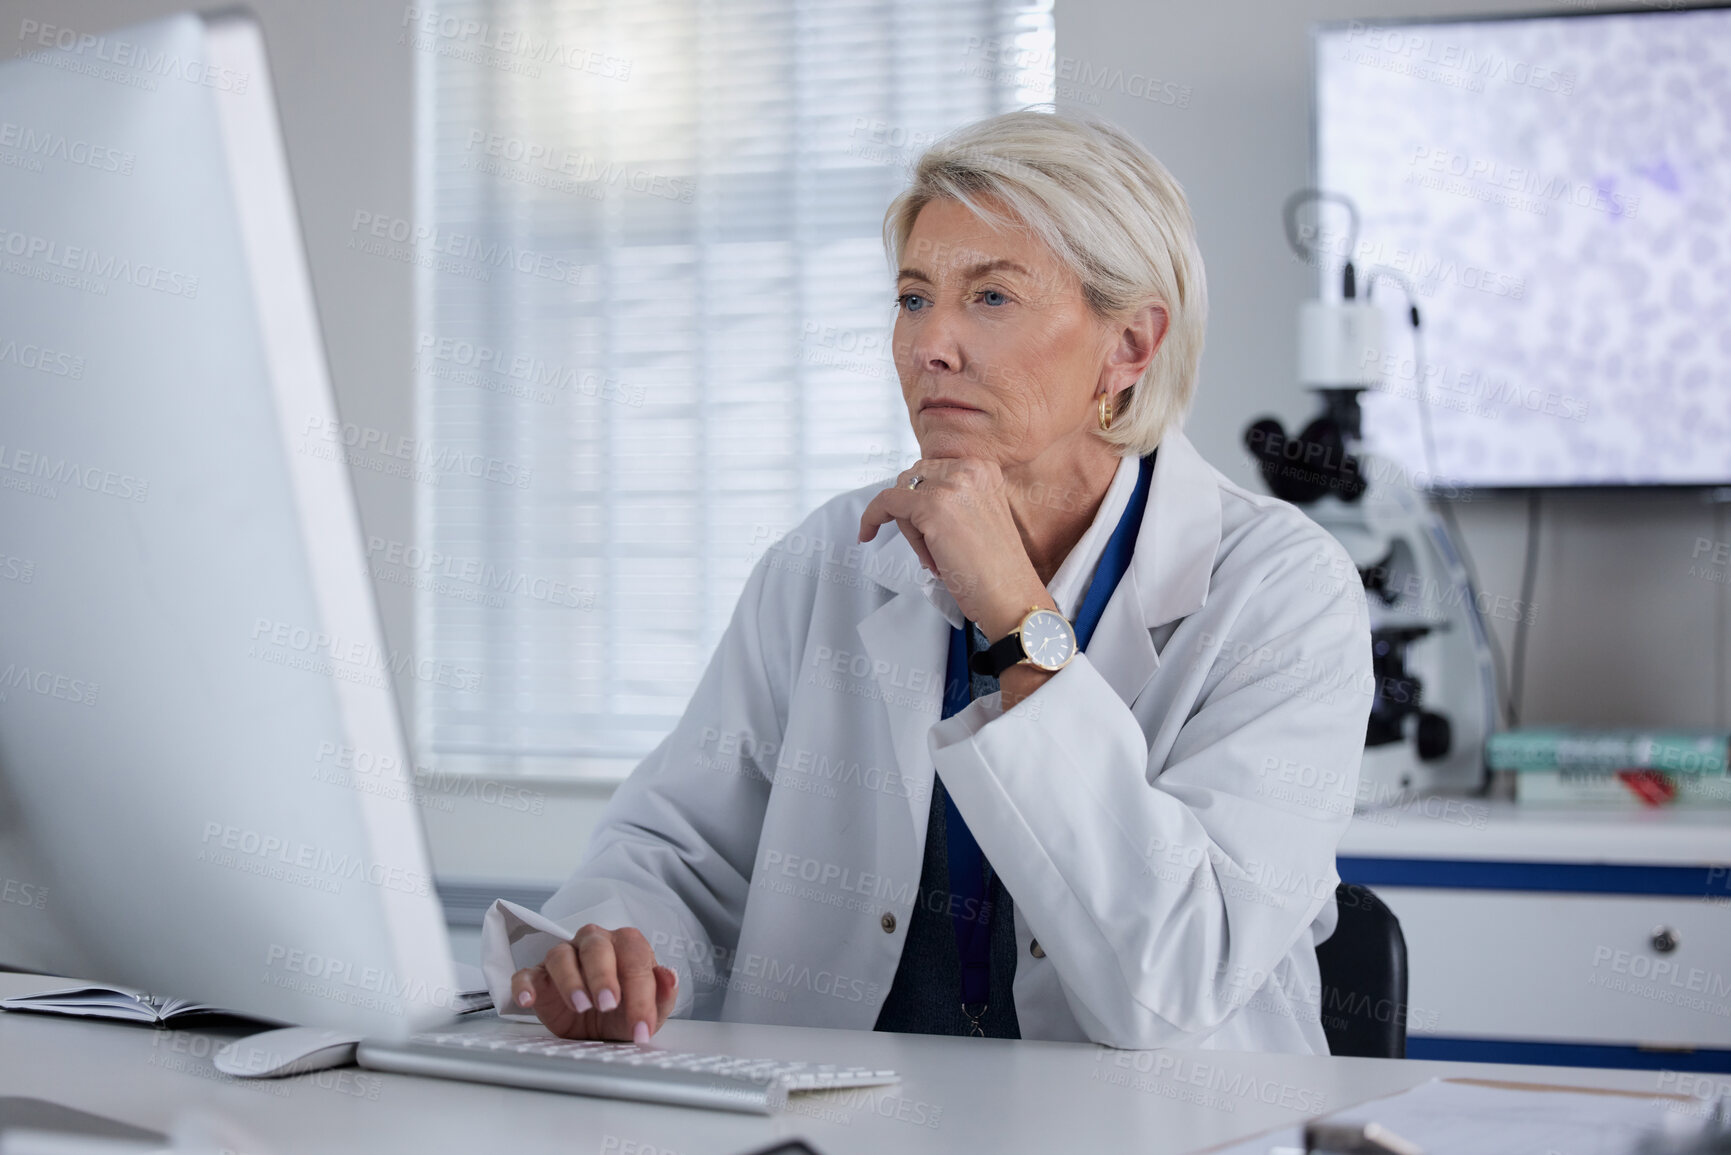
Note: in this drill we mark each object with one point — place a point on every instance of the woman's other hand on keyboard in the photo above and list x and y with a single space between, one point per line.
603 984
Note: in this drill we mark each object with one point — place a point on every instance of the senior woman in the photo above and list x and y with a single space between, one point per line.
1028 743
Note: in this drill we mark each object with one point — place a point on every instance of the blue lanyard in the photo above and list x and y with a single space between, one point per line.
970 873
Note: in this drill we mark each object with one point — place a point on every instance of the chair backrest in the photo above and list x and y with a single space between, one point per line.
1363 968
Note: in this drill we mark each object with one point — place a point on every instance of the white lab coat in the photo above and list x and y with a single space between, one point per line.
1164 811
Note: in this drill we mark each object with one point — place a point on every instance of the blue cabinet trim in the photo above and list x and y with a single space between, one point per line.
1564 1054
1556 877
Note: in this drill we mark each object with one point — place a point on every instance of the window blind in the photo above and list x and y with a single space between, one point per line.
653 329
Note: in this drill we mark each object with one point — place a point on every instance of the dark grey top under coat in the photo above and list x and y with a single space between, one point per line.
926 996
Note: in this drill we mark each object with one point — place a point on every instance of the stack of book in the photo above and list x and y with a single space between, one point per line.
1566 766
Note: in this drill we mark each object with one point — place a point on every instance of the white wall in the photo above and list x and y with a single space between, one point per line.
1623 634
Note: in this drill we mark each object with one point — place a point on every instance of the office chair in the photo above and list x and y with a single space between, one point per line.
1363 968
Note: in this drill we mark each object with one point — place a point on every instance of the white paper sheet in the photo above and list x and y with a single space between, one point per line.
1446 1117
514 936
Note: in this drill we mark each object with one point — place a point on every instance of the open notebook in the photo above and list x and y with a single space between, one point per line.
103 1001
127 1004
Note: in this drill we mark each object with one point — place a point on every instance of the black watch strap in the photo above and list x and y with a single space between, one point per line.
999 656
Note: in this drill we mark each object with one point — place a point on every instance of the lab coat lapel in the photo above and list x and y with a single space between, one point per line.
907 641
1122 649
1169 571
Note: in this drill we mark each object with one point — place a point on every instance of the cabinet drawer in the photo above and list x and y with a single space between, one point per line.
1566 967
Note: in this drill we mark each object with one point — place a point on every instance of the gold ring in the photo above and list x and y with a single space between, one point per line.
914 481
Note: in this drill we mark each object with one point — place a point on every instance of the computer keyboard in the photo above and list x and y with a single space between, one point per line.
613 1070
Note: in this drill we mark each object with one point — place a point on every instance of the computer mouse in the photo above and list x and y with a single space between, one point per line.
288 1051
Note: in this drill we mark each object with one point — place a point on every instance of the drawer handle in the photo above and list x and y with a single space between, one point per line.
1664 939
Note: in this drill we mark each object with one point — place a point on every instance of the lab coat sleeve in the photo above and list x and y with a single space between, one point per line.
672 853
1167 894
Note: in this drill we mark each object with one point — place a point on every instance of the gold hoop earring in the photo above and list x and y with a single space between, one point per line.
1105 412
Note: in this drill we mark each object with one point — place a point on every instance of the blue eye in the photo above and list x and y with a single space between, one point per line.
910 301
993 297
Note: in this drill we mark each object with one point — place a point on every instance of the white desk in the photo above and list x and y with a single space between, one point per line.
955 1094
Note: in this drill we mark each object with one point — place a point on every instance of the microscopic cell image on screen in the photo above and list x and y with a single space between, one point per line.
1558 191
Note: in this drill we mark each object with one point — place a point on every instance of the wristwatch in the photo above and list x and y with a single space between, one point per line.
1043 640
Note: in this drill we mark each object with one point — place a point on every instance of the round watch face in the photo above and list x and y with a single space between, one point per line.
1048 640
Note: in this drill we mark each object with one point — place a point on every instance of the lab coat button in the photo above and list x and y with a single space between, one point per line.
1036 950
888 922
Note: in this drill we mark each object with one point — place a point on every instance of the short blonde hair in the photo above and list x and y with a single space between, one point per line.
1110 211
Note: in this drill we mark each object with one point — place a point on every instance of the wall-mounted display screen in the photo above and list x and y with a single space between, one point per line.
1556 190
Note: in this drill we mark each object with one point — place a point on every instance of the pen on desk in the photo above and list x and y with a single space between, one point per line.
1355 1139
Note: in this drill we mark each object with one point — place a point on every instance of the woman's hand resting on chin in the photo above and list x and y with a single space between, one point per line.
959 523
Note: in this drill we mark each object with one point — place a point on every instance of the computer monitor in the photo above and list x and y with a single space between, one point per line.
1552 187
204 787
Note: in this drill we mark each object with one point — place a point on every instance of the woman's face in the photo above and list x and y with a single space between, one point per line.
999 355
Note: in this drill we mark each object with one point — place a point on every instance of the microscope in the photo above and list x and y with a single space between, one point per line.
1435 694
